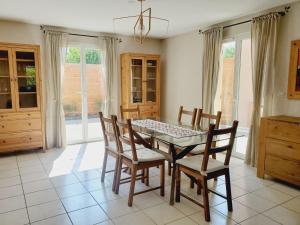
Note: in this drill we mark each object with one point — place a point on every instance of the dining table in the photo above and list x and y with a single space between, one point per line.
180 138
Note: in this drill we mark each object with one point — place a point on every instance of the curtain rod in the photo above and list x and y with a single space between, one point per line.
281 13
80 35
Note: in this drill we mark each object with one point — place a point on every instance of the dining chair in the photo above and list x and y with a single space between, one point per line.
136 159
203 168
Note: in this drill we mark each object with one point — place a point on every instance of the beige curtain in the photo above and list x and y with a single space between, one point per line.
111 75
264 32
212 42
55 120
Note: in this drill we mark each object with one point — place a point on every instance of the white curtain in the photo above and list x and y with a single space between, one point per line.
264 32
212 42
111 75
55 120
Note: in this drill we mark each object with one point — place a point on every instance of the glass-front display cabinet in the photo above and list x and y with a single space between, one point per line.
141 83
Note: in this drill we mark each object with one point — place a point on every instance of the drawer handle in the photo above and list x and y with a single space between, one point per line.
29 124
2 116
30 138
3 141
28 114
2 126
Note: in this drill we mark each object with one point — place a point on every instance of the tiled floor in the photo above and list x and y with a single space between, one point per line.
63 187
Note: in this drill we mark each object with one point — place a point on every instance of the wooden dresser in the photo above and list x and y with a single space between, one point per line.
279 148
140 83
21 122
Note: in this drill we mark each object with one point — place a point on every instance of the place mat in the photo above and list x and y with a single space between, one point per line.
165 128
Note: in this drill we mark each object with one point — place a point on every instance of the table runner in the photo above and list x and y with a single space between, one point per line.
165 128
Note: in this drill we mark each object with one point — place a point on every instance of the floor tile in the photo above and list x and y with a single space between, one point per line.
88 216
185 221
78 202
11 181
57 220
9 173
88 175
64 180
13 203
11 191
34 177
216 218
107 222
70 190
104 195
239 213
283 216
41 197
31 169
118 207
293 204
137 218
17 217
147 200
286 189
35 186
259 220
255 202
94 185
187 207
247 184
235 190
272 195
46 210
163 213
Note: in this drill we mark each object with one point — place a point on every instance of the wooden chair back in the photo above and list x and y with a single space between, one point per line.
208 117
107 129
132 113
210 149
192 114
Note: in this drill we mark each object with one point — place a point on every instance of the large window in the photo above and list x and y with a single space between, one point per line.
234 93
83 93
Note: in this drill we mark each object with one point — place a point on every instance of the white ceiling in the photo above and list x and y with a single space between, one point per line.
97 15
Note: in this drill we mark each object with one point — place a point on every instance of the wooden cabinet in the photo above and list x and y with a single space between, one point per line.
279 148
140 82
21 122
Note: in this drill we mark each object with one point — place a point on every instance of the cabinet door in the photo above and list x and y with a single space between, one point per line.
151 80
7 102
136 77
27 79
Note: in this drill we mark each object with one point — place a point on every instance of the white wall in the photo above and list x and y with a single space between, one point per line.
181 69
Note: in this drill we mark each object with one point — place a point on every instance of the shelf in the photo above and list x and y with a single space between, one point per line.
4 93
136 91
27 93
151 66
151 79
26 77
3 59
4 76
136 78
136 65
25 60
151 91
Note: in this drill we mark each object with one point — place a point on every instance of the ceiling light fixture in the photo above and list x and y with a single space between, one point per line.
142 26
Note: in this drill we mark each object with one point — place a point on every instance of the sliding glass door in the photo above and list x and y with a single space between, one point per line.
83 93
234 93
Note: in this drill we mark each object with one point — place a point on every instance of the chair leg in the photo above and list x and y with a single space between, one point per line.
178 184
169 163
104 166
198 187
143 176
205 200
115 174
119 173
191 183
162 179
147 176
132 185
228 191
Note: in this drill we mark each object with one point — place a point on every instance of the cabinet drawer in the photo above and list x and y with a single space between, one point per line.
20 141
148 108
20 125
19 116
284 149
283 131
283 168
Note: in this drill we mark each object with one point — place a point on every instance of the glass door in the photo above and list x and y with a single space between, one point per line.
6 81
151 80
25 72
137 80
84 95
234 92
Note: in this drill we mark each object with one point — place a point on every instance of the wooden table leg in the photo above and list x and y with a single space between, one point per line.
172 192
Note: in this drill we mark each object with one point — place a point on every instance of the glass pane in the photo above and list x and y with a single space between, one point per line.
245 93
136 77
72 93
26 76
5 89
225 91
95 91
151 80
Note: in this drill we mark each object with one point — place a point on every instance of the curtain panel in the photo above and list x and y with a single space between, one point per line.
264 32
212 42
55 43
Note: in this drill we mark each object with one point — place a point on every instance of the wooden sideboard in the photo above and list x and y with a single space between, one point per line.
279 148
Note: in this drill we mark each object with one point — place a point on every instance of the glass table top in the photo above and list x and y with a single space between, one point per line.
200 137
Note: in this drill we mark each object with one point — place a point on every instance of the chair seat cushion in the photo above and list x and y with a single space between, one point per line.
195 162
144 155
112 146
198 150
